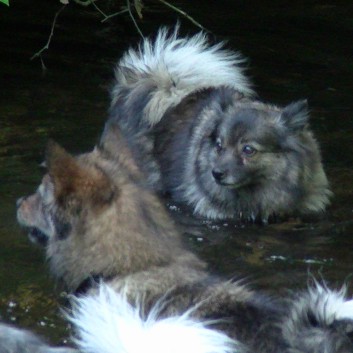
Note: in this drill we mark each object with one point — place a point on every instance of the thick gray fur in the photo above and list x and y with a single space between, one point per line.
188 113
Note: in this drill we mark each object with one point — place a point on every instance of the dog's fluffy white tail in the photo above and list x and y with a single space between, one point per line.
169 68
107 323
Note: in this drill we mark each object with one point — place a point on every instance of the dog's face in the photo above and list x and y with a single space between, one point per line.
251 145
244 148
55 209
256 159
94 219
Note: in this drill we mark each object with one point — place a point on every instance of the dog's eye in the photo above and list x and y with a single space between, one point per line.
249 150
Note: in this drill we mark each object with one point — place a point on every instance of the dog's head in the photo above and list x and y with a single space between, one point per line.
252 141
265 153
95 219
69 186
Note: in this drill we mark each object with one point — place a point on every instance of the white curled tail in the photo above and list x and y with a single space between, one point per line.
107 323
169 68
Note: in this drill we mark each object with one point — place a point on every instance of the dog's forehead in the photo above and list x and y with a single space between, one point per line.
249 124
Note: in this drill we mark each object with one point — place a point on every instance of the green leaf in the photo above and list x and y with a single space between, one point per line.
6 2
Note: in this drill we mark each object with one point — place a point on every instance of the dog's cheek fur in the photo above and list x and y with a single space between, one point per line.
265 163
208 154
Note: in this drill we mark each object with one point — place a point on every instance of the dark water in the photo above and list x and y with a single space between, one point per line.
300 49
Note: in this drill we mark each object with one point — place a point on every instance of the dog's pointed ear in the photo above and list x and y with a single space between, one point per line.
112 140
115 147
295 116
62 168
74 180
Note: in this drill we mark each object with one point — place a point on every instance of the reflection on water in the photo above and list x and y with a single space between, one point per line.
294 52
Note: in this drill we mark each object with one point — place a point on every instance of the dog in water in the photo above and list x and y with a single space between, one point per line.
111 242
196 130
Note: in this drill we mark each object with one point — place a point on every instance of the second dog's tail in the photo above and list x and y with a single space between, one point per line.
107 323
320 320
161 72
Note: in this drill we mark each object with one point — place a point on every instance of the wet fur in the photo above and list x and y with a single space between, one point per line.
118 230
187 111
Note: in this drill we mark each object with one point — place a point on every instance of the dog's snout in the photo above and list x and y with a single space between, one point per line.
218 174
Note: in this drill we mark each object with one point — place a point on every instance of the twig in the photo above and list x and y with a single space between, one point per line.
97 8
133 19
166 3
107 17
93 2
46 47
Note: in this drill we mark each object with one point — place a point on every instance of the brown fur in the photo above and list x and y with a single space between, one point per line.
116 227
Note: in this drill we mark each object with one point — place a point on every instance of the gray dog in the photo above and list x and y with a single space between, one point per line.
189 115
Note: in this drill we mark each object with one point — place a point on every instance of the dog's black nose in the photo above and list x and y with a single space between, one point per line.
218 174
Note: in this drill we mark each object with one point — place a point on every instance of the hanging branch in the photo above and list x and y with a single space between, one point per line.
128 9
46 46
133 18
107 17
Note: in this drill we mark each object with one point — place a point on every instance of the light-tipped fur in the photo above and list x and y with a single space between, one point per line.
107 323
